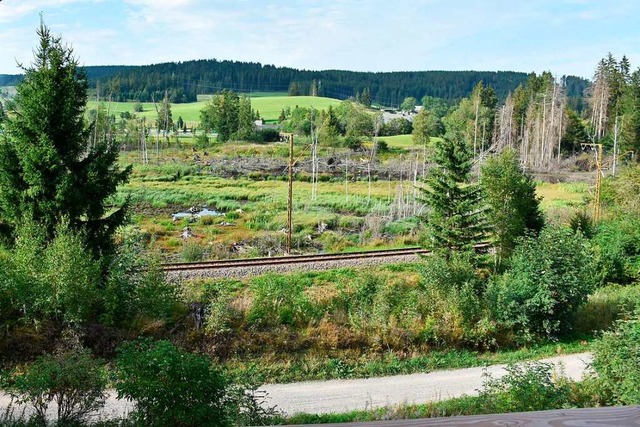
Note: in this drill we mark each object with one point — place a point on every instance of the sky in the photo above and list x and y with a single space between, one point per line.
565 37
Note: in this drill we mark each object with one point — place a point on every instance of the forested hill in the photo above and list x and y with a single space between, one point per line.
185 80
9 79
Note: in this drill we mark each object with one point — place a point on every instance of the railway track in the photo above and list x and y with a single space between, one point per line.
292 260
244 268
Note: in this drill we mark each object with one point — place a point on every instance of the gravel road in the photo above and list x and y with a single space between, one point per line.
346 395
318 397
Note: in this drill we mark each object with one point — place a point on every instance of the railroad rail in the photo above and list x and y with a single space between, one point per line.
293 259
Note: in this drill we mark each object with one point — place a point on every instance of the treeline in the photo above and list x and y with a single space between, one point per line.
9 79
186 80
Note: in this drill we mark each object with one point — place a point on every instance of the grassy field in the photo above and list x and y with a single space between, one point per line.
269 107
404 141
357 215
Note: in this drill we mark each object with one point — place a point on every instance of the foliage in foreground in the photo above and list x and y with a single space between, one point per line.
548 279
170 387
615 362
533 386
74 381
53 165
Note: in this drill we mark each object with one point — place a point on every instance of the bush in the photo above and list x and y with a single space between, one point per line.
170 387
618 247
548 279
75 381
615 361
278 300
192 251
606 305
55 280
136 285
525 387
457 310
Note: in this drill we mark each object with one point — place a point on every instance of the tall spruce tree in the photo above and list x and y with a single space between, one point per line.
51 169
455 219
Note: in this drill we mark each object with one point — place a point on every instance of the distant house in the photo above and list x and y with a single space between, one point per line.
388 116
260 125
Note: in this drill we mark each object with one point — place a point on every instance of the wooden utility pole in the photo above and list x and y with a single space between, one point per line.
289 136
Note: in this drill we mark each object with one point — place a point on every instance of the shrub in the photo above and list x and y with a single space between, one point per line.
278 300
548 279
75 381
170 387
618 247
615 361
192 251
525 387
136 285
456 308
606 305
55 280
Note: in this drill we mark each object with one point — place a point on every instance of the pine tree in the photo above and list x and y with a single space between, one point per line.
50 169
455 218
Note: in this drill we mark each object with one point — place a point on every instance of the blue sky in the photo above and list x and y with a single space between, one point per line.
561 36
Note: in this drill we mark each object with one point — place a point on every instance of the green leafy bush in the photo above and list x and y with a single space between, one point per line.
454 291
170 387
525 387
549 277
74 381
278 300
136 285
56 280
618 248
615 361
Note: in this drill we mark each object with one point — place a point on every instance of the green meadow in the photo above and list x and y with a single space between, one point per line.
269 107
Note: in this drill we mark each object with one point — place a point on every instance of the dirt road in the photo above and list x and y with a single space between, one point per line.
345 395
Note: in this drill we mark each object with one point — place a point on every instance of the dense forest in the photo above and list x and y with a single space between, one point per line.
185 80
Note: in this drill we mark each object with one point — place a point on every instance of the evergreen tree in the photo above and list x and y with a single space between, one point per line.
513 207
282 117
50 169
455 219
2 113
575 133
365 97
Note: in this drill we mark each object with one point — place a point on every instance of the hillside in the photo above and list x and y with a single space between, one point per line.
186 80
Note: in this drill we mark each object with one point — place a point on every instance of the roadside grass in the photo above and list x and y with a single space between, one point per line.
349 323
535 389
312 367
